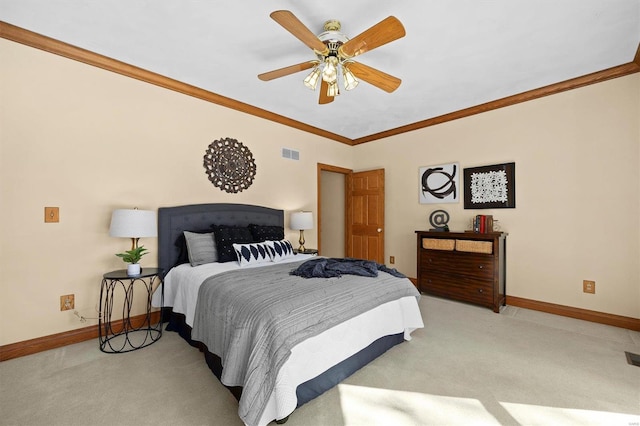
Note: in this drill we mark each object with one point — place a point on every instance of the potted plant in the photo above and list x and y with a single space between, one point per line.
132 257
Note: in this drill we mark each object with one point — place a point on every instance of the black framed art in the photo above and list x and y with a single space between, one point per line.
490 187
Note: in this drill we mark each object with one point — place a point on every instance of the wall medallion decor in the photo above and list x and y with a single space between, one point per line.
439 184
229 165
490 187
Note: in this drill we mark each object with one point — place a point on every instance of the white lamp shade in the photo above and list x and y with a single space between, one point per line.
301 220
133 223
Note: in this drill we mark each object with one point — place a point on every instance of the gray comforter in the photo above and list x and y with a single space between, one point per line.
252 318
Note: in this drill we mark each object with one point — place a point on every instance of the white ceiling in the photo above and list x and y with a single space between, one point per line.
456 53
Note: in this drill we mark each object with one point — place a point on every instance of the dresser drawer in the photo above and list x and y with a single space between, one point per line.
466 265
455 287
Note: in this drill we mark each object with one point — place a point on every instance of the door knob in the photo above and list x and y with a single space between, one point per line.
379 229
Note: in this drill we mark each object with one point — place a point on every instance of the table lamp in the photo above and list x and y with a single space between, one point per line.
299 222
134 224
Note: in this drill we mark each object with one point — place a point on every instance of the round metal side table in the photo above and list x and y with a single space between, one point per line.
128 334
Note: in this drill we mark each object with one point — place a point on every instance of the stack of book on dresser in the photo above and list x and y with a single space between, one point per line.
483 223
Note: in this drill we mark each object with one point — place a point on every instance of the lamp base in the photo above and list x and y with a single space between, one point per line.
301 241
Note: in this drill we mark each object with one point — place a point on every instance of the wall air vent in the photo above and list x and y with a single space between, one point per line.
633 359
290 154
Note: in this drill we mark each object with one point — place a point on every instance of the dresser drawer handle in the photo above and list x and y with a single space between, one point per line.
481 267
480 290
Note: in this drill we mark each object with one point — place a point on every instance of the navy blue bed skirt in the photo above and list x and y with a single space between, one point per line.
309 389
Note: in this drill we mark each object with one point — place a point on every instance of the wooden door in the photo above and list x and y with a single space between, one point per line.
365 215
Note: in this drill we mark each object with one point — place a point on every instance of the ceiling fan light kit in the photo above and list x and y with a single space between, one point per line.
333 90
350 81
334 53
311 81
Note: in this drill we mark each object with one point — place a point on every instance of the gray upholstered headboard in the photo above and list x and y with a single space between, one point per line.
172 221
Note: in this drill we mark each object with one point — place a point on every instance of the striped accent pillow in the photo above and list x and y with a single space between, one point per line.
250 254
201 248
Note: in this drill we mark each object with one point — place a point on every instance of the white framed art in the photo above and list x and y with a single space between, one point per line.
439 184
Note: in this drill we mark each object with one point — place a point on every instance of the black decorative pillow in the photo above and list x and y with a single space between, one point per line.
262 233
226 236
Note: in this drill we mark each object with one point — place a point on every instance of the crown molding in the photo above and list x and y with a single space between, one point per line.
41 42
552 89
38 41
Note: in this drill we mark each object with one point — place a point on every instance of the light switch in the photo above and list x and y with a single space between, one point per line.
51 214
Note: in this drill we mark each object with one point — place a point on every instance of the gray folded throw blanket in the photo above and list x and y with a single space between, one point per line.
330 267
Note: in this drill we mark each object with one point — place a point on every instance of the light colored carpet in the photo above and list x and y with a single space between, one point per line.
467 366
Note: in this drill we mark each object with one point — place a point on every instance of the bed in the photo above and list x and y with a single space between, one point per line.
297 347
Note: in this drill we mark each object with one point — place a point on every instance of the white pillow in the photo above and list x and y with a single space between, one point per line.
250 254
279 250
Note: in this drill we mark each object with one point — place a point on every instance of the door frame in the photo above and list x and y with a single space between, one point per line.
334 169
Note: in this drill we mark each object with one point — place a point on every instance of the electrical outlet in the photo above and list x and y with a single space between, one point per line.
392 259
67 302
589 286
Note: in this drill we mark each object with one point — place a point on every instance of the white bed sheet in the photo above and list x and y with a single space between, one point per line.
311 357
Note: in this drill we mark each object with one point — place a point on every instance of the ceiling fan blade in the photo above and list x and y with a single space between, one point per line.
324 98
292 24
287 70
381 80
383 32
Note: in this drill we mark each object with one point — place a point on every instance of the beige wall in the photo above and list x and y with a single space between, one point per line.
89 141
577 191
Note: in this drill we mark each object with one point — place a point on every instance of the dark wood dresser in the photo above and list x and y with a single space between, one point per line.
465 266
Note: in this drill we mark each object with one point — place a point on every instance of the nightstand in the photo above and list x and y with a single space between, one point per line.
306 251
128 334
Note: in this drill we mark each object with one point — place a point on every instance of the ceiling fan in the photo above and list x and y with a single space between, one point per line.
335 53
